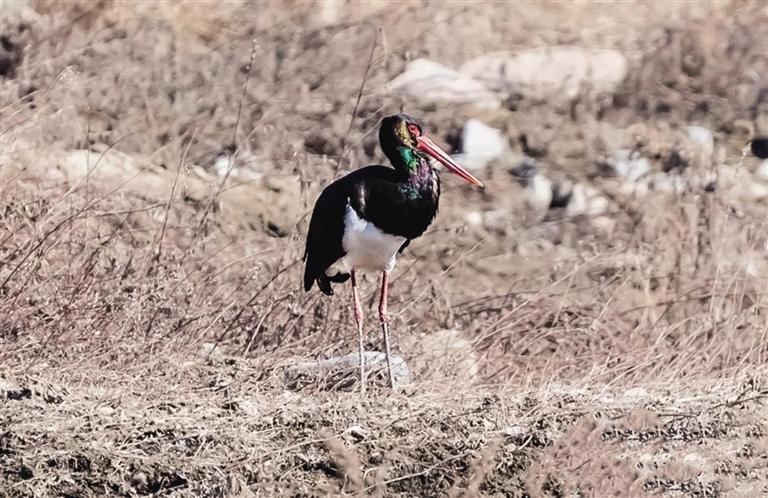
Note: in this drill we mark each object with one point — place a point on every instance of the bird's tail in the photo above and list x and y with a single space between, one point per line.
309 273
323 280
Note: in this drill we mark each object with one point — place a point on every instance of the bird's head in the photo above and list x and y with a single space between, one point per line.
405 143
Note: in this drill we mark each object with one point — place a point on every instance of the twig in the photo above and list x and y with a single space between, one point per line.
357 102
250 302
158 250
230 165
58 227
417 474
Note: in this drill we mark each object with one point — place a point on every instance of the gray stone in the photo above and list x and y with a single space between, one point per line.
550 71
342 371
433 82
480 144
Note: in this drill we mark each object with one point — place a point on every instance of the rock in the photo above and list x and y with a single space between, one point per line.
701 136
270 202
513 431
342 372
474 218
588 202
762 171
139 480
703 140
550 71
244 166
630 166
357 433
577 199
480 144
537 188
430 81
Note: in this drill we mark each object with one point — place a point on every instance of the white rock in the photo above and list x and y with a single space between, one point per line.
538 193
223 163
630 166
548 71
702 138
474 218
480 144
762 171
431 81
588 201
513 430
244 166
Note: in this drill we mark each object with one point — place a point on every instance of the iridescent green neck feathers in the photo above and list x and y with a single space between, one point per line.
409 160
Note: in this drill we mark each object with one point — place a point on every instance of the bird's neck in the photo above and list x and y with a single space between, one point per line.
417 172
406 160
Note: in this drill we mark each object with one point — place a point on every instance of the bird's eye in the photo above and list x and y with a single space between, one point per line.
414 130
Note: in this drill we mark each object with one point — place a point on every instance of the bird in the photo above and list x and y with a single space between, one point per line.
365 219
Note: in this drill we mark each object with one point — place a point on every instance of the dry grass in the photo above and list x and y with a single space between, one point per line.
148 305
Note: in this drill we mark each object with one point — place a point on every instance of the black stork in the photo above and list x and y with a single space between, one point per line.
363 220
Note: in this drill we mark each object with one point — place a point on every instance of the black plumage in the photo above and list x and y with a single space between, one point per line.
365 219
396 202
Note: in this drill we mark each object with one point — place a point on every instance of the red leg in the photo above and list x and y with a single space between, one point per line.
384 319
359 321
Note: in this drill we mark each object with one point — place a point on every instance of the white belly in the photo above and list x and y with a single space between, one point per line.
367 247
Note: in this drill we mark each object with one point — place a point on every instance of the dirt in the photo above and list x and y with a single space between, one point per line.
159 162
224 427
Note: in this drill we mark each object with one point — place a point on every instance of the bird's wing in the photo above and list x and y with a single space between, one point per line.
324 237
326 226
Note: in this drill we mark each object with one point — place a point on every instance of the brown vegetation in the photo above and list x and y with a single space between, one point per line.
149 304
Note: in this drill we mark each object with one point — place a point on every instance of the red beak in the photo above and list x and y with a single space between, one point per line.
428 146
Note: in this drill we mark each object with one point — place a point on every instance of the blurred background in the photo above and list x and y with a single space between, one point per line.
159 161
621 145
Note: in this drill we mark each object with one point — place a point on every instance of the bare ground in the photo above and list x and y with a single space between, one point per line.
224 427
149 307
